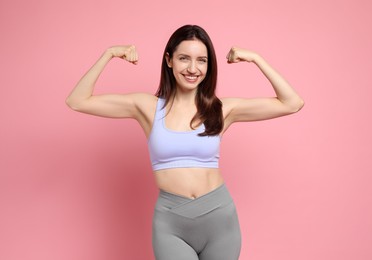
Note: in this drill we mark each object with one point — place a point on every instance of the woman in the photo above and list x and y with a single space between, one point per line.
184 121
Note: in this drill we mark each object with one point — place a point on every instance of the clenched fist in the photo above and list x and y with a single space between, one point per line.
238 54
126 52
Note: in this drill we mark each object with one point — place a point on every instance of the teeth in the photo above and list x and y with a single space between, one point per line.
191 77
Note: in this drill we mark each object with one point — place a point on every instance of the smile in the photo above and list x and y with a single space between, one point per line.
191 78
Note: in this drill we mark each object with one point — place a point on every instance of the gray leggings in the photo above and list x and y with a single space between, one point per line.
204 228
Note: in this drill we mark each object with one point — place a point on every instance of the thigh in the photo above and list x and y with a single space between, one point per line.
167 241
225 240
170 247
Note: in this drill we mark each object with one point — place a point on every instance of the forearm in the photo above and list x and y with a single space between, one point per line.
284 91
85 87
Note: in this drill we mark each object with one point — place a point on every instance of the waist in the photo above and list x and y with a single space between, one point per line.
188 182
193 208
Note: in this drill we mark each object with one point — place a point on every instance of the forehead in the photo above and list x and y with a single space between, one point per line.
192 47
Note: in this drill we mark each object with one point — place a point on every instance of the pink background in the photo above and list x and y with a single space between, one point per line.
78 187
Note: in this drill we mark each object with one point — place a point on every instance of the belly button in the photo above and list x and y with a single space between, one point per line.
193 197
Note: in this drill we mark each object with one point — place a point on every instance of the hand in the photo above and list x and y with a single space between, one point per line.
238 54
126 52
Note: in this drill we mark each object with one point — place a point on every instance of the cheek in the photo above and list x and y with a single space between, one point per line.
175 70
178 67
204 70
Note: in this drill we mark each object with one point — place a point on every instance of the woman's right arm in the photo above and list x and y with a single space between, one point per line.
82 99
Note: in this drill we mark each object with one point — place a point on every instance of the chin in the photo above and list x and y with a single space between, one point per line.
188 87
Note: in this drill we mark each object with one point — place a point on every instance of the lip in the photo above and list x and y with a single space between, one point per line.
191 78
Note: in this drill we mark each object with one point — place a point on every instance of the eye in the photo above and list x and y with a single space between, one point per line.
182 58
203 60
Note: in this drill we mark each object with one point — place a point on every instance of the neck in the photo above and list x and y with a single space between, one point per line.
187 98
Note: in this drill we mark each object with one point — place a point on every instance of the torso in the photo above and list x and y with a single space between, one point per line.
187 182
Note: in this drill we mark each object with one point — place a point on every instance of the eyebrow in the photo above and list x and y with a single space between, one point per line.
203 57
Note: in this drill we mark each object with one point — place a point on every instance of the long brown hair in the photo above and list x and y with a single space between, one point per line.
209 107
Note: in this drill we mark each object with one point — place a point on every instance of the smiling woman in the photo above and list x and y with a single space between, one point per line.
195 216
193 46
189 64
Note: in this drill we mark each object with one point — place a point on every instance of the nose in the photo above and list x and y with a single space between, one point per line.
192 67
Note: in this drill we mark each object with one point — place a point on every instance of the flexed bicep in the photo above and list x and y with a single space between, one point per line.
82 99
109 105
256 109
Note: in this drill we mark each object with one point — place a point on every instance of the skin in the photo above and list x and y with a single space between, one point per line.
189 68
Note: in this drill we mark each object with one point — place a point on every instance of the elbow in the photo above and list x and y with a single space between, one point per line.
297 106
301 104
71 104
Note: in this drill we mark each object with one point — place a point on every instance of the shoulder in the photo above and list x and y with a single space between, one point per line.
237 110
145 104
144 101
145 108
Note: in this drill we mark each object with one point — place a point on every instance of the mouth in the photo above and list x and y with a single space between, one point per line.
191 78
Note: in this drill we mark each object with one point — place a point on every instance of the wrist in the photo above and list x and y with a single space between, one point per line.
256 58
108 54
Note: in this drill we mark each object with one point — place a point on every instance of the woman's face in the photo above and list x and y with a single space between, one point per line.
189 64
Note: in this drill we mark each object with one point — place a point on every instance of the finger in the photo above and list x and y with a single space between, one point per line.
229 54
230 58
128 53
134 57
233 59
133 53
125 55
129 56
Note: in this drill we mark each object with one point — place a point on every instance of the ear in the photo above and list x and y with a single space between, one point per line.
169 60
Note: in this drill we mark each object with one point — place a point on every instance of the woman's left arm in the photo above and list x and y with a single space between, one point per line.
286 102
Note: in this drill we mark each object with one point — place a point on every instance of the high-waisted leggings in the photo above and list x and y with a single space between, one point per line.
204 228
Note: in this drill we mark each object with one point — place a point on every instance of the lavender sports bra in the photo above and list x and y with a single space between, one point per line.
180 149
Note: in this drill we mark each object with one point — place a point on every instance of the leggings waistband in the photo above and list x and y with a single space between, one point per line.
193 208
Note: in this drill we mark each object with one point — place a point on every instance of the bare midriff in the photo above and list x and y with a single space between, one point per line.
188 182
